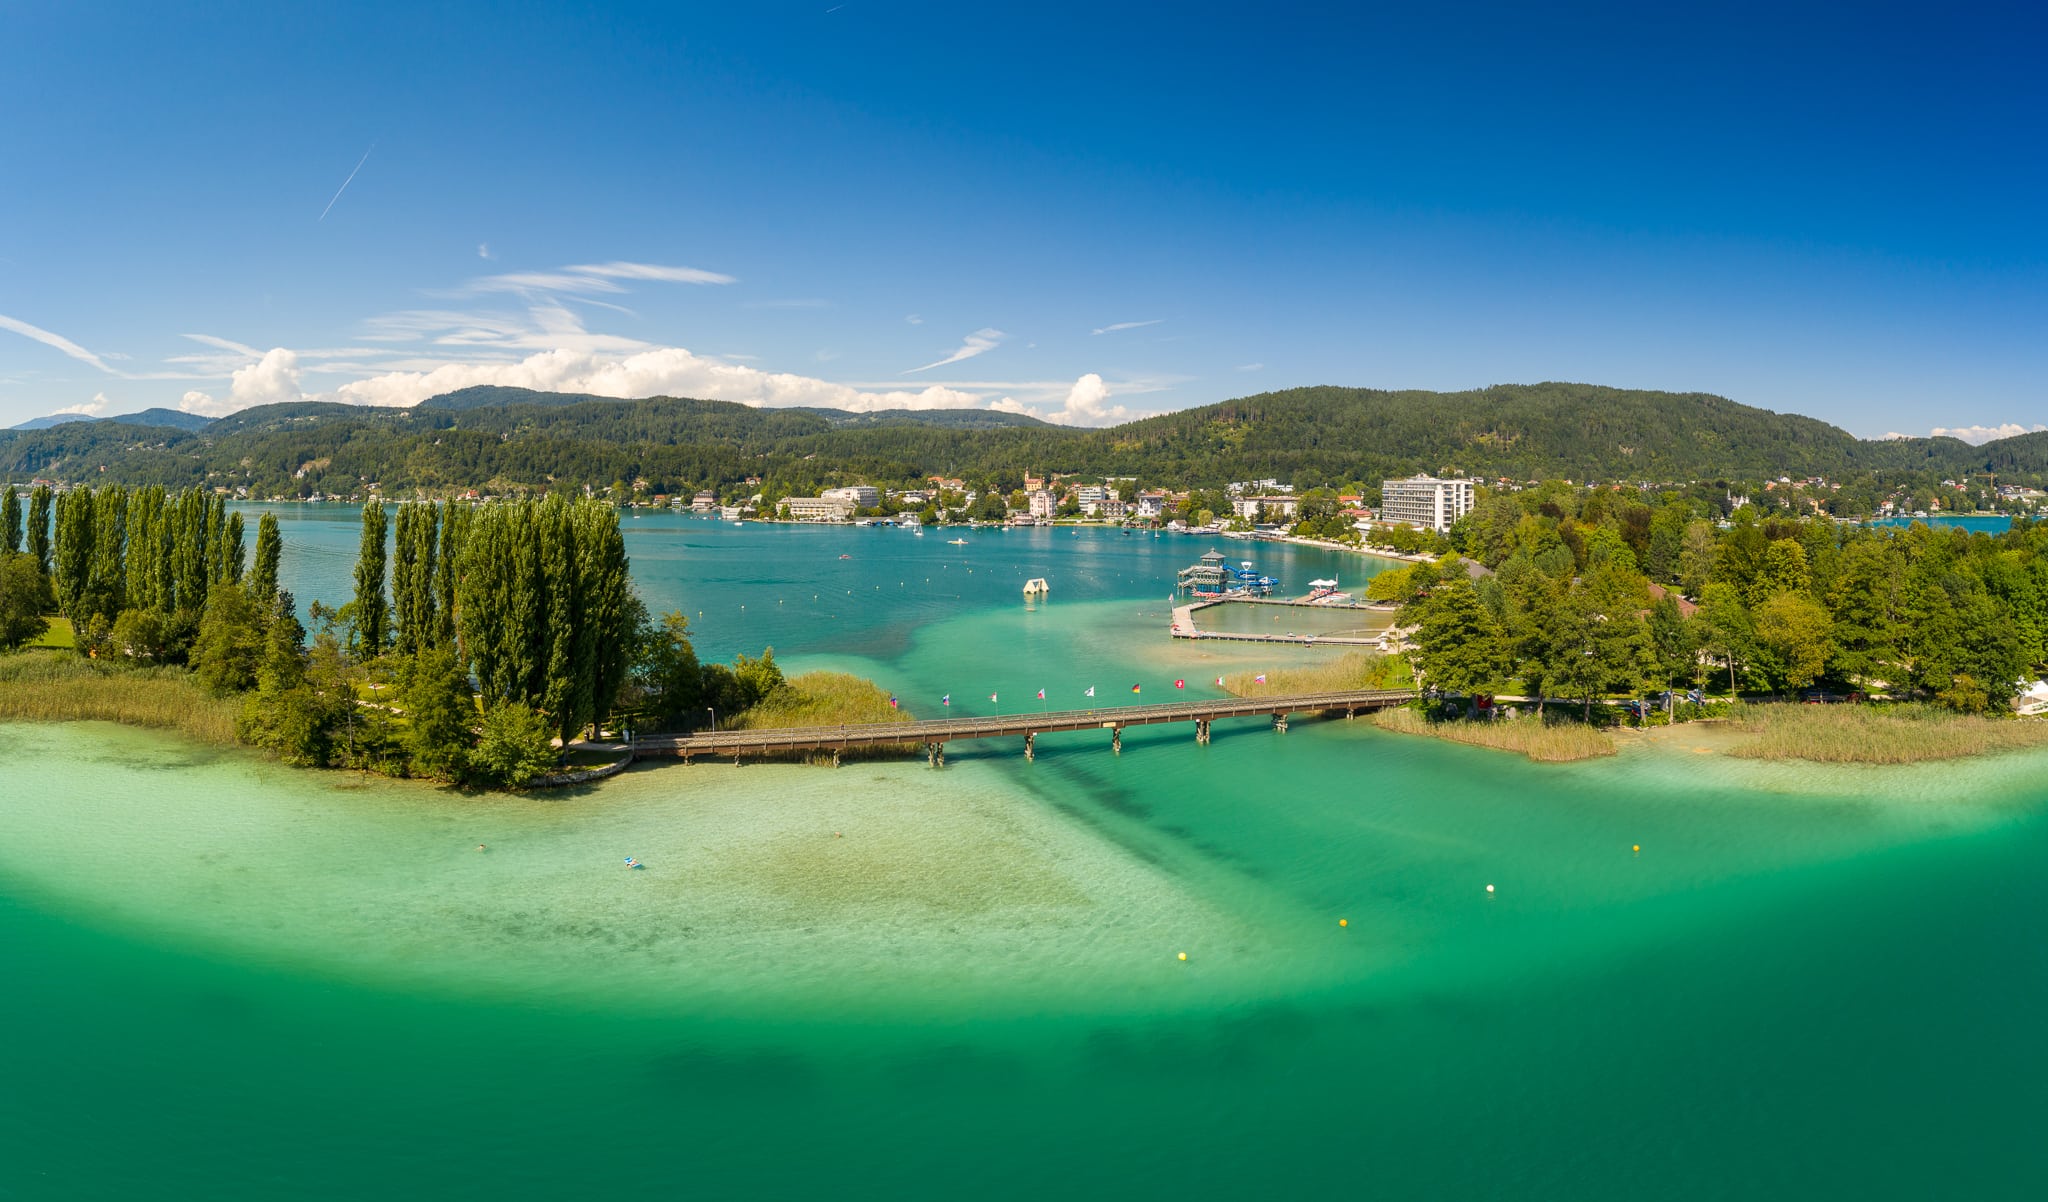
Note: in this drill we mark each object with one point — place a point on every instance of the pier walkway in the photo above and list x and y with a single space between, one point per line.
933 735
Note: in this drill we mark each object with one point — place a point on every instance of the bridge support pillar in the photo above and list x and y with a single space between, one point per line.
935 754
835 757
1202 732
1030 746
1116 739
1280 723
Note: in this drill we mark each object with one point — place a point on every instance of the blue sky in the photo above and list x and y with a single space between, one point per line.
1080 211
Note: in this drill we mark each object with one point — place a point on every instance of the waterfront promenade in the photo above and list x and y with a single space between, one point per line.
932 735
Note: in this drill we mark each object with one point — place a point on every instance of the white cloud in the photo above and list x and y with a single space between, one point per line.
55 341
226 344
270 380
1128 325
659 371
92 408
914 319
1086 405
588 278
980 342
483 251
1975 435
1251 367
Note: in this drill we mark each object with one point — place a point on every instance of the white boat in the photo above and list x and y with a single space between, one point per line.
1036 587
957 542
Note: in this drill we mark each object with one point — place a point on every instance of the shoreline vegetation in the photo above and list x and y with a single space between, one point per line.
1548 740
1876 734
37 687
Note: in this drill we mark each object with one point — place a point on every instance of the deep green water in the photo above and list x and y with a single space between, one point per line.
223 979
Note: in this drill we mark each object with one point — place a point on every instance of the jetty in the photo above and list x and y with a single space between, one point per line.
1185 627
932 735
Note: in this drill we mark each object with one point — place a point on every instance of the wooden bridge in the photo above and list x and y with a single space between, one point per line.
933 735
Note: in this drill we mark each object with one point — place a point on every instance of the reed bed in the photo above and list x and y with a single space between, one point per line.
1873 734
827 699
1351 670
820 699
1547 741
41 687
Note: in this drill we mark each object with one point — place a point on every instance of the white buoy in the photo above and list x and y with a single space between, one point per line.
1489 888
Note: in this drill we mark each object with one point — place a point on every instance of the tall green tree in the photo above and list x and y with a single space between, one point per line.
36 539
441 715
108 583
1792 634
1727 631
372 613
24 599
232 553
1459 646
10 522
448 571
269 549
412 579
72 555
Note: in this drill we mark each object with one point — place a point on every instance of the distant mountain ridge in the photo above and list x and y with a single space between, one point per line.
169 419
508 438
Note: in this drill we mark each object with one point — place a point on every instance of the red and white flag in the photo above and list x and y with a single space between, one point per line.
1180 684
1041 694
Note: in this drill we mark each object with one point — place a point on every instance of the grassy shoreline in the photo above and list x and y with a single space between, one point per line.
41 687
1876 734
1556 741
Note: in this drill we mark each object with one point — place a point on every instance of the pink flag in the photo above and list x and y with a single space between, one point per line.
1259 679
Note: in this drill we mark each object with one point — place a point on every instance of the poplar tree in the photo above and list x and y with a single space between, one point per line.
454 527
10 522
109 584
412 579
269 547
372 612
145 549
232 552
73 552
38 533
543 604
186 523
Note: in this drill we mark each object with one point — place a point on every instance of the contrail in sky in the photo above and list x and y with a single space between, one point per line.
345 183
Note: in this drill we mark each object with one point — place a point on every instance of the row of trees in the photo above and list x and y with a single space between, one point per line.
1591 594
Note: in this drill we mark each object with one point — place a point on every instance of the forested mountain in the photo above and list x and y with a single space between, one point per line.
500 438
172 418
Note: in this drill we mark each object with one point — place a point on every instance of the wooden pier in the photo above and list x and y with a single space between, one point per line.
1184 626
931 736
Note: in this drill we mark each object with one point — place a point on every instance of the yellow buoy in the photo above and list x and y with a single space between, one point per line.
1343 922
1183 955
1637 847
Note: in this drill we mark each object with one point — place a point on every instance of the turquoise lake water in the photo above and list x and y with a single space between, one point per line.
226 979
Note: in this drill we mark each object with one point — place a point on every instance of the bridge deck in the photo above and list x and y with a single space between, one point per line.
944 730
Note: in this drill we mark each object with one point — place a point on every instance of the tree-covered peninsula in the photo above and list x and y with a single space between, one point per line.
480 642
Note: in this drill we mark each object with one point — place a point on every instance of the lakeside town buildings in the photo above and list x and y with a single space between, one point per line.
1425 501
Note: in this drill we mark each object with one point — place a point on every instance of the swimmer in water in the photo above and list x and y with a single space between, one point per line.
479 847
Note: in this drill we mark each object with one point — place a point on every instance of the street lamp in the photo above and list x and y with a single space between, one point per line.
713 711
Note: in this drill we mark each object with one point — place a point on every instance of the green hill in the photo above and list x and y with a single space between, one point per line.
514 438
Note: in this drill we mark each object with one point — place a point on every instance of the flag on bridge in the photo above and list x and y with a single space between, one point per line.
1134 688
946 700
892 702
1041 694
1219 682
1259 679
1091 690
1180 684
991 696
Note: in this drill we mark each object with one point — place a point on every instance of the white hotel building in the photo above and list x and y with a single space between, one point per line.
1425 501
